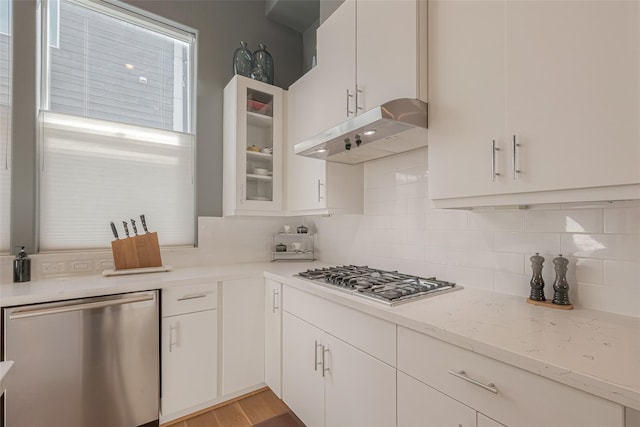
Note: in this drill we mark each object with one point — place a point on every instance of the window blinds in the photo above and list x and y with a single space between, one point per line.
94 172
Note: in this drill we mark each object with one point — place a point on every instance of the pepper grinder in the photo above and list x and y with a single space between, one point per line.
561 286
537 282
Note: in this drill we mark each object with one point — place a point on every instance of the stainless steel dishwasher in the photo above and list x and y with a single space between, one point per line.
86 362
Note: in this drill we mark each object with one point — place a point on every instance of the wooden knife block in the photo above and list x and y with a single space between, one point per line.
136 252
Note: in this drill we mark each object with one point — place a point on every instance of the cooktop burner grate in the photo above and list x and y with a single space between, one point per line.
390 287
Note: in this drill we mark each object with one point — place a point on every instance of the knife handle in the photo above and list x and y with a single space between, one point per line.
144 223
126 228
114 230
133 225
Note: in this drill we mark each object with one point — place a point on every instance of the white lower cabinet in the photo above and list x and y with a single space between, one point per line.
510 395
242 364
327 382
422 406
273 336
188 349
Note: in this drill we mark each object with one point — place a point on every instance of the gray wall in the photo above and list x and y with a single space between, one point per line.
221 26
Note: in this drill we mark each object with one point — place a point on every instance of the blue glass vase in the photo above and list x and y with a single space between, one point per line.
263 64
242 60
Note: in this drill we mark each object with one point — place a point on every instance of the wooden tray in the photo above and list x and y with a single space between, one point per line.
136 252
550 304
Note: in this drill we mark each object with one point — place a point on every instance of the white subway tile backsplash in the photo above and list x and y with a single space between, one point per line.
506 241
622 220
569 221
470 277
446 220
490 249
496 261
624 247
622 274
496 221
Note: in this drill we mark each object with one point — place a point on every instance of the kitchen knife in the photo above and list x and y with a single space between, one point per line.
126 228
144 223
133 225
114 230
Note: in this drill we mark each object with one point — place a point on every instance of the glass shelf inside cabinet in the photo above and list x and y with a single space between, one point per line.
259 159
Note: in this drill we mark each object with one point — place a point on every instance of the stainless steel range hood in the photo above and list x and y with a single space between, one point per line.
394 127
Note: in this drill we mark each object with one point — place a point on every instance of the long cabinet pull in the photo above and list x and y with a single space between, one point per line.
275 301
315 356
358 107
463 376
514 158
324 368
494 174
195 296
320 184
171 340
349 96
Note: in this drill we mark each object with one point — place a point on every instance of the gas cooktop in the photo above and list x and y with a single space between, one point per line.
389 287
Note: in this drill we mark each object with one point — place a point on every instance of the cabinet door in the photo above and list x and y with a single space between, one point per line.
305 176
484 421
572 100
466 98
422 406
337 66
242 334
273 336
302 380
360 390
189 360
387 51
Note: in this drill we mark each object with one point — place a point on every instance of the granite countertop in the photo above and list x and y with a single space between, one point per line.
593 351
5 367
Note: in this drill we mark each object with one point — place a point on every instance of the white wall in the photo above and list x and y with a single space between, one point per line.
487 249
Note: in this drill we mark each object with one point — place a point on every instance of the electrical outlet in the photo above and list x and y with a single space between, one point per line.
104 264
81 266
52 267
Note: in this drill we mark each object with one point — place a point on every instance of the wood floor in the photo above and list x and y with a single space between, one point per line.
261 408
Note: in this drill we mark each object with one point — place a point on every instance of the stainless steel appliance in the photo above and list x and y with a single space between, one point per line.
388 287
86 362
391 128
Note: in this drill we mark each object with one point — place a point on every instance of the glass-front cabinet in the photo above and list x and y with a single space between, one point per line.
253 136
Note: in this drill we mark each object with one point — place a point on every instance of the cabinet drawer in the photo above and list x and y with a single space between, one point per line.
522 398
189 299
370 334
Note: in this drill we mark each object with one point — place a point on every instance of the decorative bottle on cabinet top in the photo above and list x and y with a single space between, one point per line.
242 60
263 64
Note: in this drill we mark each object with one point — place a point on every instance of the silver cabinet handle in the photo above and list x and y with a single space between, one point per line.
315 356
463 376
324 368
274 306
320 184
514 159
349 112
494 174
171 340
194 296
75 306
358 107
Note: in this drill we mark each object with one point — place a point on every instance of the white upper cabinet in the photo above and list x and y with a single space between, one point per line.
253 148
555 84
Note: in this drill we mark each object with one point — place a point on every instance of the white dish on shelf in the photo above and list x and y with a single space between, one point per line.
260 171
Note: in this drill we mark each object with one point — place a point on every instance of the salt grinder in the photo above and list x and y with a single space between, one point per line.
561 286
537 282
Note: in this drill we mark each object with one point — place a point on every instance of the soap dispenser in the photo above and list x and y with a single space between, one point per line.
22 267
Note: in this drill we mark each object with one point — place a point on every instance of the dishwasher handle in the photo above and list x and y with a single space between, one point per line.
23 313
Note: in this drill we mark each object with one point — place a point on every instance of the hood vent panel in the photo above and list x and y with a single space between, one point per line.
394 127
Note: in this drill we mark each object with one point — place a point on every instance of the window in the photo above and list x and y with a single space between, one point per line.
115 126
5 124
